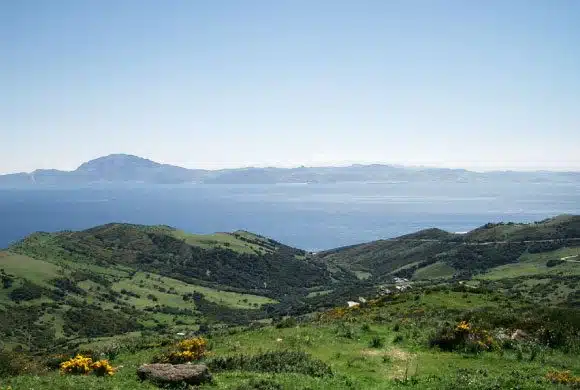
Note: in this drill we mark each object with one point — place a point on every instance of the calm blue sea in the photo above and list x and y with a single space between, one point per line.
307 216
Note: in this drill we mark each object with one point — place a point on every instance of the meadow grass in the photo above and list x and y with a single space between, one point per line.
434 271
227 240
36 271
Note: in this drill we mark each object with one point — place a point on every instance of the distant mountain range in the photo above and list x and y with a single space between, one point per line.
123 168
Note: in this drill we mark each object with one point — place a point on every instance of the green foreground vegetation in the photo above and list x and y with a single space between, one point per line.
497 308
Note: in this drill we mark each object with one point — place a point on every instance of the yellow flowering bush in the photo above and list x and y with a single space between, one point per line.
463 326
83 365
103 368
79 365
563 378
188 350
463 336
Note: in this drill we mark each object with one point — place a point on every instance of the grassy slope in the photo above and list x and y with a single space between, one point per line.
51 261
385 257
434 271
36 271
355 363
535 264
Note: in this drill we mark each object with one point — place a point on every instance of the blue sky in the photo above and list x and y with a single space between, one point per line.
225 83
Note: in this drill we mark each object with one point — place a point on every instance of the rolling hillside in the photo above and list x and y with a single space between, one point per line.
276 316
68 286
436 253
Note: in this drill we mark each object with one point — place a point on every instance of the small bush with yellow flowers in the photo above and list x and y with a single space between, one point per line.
564 378
463 336
185 351
82 365
79 365
103 368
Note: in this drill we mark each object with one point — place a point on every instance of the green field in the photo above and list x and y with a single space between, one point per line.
536 264
36 271
434 271
153 283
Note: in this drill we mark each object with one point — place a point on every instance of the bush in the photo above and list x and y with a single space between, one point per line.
12 364
103 368
288 322
376 342
53 362
79 365
563 378
185 351
274 361
83 365
27 292
462 336
343 330
260 384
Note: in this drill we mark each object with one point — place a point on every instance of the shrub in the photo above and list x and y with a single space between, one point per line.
260 384
564 378
288 322
12 364
376 342
83 365
274 361
103 368
185 351
398 339
27 292
53 362
79 365
343 330
463 336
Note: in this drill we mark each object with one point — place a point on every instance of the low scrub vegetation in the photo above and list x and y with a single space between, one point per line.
275 362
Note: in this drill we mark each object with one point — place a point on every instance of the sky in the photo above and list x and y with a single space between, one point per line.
212 84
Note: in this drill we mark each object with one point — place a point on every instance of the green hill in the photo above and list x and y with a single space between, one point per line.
117 278
459 255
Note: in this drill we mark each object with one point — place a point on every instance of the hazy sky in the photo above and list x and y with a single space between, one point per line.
226 83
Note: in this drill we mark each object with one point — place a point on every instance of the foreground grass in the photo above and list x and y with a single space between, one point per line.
379 347
356 365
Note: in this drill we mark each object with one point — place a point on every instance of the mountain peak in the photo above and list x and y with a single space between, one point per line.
117 161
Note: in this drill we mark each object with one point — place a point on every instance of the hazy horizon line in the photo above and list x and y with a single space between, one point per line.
482 168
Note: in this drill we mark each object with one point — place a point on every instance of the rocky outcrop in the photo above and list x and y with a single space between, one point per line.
173 374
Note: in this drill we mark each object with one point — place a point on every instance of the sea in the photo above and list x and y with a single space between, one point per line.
309 216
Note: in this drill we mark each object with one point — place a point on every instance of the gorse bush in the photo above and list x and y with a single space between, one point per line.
103 368
83 365
185 351
564 378
463 336
274 361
